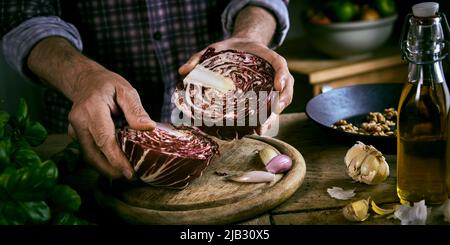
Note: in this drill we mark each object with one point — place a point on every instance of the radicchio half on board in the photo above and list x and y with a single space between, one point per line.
168 158
225 78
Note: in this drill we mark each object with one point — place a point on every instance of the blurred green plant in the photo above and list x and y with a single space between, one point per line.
29 189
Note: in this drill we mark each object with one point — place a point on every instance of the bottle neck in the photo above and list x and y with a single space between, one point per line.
426 73
425 41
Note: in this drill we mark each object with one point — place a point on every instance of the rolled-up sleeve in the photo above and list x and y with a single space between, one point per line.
277 7
24 23
19 41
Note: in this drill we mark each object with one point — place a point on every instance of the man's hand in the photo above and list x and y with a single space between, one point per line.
100 94
284 82
254 28
97 94
253 31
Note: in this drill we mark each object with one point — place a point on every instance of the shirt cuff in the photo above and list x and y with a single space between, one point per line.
277 7
18 42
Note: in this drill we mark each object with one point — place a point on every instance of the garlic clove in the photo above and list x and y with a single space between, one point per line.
357 211
379 210
252 177
366 164
353 152
381 174
279 164
268 154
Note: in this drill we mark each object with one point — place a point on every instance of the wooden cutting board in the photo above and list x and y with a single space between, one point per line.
210 199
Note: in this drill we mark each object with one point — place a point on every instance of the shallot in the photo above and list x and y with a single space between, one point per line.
274 161
252 177
279 164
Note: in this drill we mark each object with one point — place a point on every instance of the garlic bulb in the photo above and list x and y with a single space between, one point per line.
366 164
357 211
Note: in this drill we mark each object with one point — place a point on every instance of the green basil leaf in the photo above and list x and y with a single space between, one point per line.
65 198
21 143
69 159
5 152
26 157
12 214
35 133
31 183
22 111
38 212
9 179
4 118
4 196
68 219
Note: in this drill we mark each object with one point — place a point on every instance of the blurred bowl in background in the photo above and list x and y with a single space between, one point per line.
349 39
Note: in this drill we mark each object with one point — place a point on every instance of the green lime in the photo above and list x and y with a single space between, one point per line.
385 7
342 11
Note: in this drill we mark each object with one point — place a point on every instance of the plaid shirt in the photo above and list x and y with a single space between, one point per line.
145 41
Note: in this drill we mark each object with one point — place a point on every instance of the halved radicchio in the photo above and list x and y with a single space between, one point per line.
168 157
215 96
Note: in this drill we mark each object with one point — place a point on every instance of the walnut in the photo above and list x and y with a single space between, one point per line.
377 124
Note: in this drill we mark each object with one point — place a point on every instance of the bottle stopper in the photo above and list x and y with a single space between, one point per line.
426 9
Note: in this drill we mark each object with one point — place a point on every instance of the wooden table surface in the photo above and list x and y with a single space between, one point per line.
325 168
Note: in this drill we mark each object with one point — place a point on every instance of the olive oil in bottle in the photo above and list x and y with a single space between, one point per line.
423 109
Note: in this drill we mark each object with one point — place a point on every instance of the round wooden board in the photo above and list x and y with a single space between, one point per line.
210 199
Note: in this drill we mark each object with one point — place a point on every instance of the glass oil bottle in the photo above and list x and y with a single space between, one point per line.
423 109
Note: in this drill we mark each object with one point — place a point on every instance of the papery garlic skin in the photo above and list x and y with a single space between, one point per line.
366 164
341 194
415 215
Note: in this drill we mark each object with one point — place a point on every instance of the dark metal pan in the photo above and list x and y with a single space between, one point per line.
353 104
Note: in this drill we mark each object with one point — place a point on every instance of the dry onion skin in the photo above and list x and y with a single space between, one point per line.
213 94
168 157
366 164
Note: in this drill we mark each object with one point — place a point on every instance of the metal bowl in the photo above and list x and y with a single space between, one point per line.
353 104
350 39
